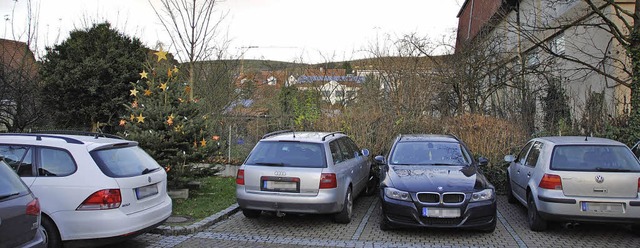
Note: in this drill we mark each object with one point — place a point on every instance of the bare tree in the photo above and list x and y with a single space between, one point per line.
193 29
20 106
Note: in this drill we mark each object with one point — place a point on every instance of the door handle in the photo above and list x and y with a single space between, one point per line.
518 172
528 174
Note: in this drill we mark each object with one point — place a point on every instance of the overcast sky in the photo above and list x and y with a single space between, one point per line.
285 30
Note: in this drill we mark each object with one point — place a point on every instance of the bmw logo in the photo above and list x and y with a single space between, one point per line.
599 179
439 188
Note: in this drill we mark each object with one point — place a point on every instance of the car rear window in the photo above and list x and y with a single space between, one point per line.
124 161
10 183
287 154
429 153
594 158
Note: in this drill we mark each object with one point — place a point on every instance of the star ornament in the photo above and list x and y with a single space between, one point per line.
170 120
134 104
122 122
132 117
147 92
134 92
163 86
161 55
140 118
203 142
143 74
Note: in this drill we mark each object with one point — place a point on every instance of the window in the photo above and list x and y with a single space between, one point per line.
532 158
556 44
523 153
124 161
19 158
336 154
9 183
346 150
287 154
55 162
532 58
594 158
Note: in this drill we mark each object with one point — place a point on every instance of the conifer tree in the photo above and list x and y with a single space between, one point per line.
168 126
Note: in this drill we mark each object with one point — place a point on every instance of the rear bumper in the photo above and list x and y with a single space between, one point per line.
554 206
37 241
102 225
326 201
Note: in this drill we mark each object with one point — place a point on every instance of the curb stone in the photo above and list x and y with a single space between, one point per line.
198 226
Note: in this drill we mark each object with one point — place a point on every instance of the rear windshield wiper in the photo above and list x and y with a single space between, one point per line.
270 164
611 169
147 170
9 195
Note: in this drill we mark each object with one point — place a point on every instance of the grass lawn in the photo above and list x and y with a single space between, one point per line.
214 195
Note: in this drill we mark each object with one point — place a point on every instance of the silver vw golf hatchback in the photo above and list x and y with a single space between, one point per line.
303 172
575 179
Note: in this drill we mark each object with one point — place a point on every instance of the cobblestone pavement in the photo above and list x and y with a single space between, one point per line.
363 231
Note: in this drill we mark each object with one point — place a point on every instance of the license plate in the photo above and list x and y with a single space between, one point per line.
146 191
276 185
602 207
441 212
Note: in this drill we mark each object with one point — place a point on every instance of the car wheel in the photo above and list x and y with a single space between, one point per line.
635 229
536 223
250 213
51 234
344 216
510 197
371 187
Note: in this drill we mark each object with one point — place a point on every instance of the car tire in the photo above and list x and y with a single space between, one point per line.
371 187
251 214
510 197
51 233
635 229
536 223
344 216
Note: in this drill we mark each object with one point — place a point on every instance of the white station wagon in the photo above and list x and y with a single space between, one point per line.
93 190
304 172
575 179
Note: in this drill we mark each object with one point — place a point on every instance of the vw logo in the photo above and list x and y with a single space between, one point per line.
599 179
280 173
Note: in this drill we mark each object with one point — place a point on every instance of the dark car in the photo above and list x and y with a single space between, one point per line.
19 212
433 181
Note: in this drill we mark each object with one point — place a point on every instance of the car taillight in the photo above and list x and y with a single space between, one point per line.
33 208
328 181
240 177
101 200
550 181
638 184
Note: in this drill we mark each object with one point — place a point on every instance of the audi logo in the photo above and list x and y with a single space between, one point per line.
280 173
599 179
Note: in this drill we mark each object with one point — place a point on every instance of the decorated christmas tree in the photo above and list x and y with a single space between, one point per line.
166 124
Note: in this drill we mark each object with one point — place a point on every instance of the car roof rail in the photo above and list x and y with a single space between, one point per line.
40 136
279 132
81 133
331 134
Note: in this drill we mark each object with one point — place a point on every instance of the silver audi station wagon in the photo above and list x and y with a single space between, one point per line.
575 179
303 172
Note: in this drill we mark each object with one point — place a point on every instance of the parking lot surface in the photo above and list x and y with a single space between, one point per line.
363 231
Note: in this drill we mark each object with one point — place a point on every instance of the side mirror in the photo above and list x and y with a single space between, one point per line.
482 161
379 159
365 152
509 158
